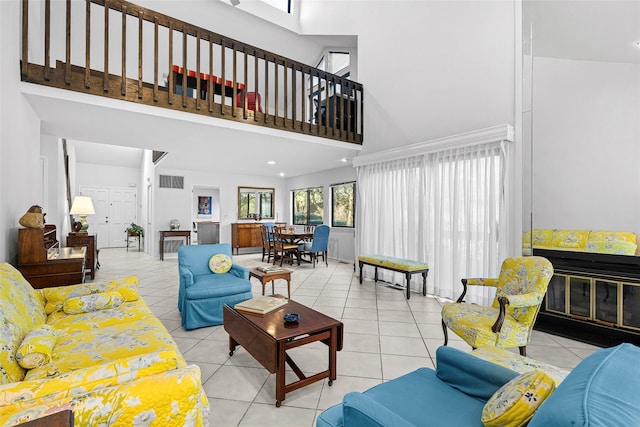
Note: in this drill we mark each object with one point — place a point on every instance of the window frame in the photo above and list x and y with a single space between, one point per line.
308 203
353 213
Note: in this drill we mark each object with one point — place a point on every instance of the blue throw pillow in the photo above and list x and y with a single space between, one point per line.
602 390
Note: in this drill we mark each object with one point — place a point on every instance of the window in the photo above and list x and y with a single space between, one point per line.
343 204
283 5
308 206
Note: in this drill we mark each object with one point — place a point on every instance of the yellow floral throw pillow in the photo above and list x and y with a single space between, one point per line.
36 347
93 302
220 263
55 297
515 402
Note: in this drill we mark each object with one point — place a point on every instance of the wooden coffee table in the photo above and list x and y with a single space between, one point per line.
266 277
267 338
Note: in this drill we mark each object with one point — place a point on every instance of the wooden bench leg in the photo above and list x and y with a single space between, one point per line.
375 275
360 264
408 285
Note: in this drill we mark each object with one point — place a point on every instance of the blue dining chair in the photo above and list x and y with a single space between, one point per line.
319 244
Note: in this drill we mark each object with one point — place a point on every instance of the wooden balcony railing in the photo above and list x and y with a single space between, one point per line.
182 67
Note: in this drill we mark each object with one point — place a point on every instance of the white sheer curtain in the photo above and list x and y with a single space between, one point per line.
446 207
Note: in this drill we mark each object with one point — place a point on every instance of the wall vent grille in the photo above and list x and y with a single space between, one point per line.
169 181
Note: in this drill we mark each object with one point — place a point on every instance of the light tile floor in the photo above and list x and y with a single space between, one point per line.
384 337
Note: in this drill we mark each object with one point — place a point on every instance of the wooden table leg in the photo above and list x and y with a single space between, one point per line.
289 287
232 345
280 374
333 346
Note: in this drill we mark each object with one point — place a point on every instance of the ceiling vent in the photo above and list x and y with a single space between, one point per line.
168 181
157 156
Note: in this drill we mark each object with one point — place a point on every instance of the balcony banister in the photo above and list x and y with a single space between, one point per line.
291 89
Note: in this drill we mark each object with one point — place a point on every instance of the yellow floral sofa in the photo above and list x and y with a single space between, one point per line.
603 242
96 349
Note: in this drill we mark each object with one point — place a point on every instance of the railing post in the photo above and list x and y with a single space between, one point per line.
198 88
211 86
140 54
105 80
87 42
266 88
123 77
286 92
223 84
67 66
47 37
185 72
171 83
24 65
155 59
234 102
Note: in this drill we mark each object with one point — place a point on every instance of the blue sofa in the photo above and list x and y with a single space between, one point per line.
202 293
602 390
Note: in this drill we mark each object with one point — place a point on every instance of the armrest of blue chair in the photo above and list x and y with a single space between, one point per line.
240 271
469 374
186 276
359 410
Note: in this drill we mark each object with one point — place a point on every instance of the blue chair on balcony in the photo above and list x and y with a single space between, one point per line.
319 244
202 292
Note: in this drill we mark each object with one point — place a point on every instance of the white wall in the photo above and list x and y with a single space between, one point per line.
586 133
341 240
172 203
95 175
20 185
430 69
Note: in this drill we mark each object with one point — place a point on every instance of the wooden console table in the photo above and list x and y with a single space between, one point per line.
173 233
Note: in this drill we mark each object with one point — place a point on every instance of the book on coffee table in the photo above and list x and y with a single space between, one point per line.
261 305
269 269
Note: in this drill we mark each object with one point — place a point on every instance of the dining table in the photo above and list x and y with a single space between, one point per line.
297 237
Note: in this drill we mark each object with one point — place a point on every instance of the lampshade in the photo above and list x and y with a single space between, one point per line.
82 205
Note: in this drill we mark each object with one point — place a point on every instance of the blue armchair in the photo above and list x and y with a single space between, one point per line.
202 293
319 244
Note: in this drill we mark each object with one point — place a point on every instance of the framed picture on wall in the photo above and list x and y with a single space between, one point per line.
204 206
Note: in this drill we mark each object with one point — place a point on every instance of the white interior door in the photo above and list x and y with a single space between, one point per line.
123 213
115 210
98 223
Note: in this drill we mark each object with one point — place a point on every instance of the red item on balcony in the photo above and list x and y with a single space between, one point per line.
251 101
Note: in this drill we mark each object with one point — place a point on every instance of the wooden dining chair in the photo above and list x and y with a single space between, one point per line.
267 243
283 247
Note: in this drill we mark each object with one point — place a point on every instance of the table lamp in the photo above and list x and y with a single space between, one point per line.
82 206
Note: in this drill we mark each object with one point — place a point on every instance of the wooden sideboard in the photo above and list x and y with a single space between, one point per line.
89 241
43 263
247 235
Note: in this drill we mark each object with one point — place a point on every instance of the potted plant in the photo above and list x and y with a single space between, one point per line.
134 230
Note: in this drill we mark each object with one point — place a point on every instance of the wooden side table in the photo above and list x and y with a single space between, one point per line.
265 277
75 240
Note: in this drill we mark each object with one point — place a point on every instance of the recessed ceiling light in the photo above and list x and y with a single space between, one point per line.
271 162
281 173
344 159
638 43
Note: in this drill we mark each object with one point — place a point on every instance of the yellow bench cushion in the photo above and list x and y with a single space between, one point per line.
397 263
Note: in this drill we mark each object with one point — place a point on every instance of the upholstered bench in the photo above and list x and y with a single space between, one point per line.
406 266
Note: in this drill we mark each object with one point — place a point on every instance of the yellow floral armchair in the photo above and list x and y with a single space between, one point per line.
508 322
